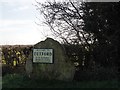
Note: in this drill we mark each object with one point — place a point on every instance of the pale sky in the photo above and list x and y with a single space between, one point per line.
17 23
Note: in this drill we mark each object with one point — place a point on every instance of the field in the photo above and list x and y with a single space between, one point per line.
21 81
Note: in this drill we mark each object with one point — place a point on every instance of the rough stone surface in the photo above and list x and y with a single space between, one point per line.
61 69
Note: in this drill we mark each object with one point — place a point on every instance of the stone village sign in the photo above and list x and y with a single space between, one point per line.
48 60
42 55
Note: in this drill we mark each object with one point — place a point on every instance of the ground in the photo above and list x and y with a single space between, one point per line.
22 81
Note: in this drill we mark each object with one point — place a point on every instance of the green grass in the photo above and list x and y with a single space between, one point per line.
21 81
0 82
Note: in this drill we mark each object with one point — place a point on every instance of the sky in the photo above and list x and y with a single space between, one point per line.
18 20
18 23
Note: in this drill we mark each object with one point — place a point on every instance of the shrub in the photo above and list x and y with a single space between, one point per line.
99 73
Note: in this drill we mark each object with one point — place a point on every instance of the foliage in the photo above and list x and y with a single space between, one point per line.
99 73
14 58
102 19
92 26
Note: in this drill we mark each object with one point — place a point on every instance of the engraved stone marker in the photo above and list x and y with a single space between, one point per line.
48 60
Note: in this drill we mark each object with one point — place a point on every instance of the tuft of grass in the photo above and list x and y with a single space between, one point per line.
22 81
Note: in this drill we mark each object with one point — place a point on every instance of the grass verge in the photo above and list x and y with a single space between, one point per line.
22 81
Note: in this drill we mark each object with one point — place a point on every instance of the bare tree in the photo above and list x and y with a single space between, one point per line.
65 19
